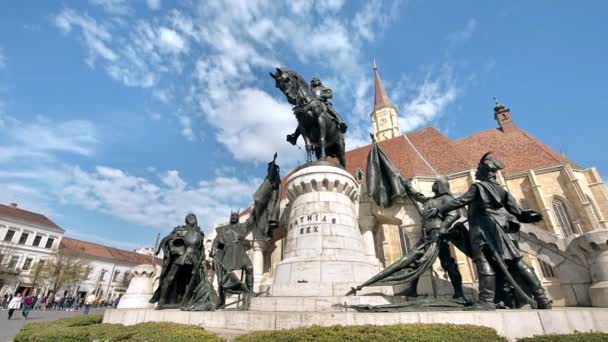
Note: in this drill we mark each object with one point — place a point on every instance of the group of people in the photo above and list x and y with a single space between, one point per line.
28 302
17 302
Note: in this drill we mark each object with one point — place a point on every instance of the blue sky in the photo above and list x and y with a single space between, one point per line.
119 117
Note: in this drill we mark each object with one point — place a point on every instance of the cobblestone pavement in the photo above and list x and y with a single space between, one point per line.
8 329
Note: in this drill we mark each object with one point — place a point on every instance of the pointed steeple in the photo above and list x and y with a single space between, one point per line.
384 116
381 100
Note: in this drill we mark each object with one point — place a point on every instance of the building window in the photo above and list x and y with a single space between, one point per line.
560 208
405 242
49 243
9 235
116 274
1 258
102 275
13 263
88 271
27 264
127 277
23 238
546 269
37 241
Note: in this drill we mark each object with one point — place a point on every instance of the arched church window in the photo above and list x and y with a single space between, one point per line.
562 213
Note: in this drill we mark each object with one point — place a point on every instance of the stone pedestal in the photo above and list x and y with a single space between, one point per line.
324 250
599 288
140 288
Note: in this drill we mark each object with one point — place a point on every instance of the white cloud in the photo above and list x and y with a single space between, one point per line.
42 137
96 36
153 4
228 47
463 35
171 40
114 7
159 202
374 18
429 100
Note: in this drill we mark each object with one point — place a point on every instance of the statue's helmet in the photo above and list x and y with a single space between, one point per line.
234 216
488 166
315 82
441 186
191 220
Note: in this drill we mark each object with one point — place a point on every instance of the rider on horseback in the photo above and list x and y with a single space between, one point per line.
324 94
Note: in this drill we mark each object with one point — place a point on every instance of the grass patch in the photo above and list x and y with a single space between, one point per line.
379 333
576 337
89 328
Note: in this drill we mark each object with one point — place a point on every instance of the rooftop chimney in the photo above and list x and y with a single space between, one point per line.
13 205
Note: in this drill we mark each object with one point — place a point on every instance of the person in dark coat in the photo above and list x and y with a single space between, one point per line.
493 214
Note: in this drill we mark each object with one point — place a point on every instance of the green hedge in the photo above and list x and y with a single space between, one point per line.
89 328
378 333
577 337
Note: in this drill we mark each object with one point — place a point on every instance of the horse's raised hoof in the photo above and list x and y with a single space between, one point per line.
343 127
292 139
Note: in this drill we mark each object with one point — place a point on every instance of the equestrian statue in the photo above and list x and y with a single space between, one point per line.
321 127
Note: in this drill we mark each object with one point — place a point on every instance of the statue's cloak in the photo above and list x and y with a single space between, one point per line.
266 204
383 178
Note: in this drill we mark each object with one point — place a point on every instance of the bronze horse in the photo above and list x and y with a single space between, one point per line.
320 132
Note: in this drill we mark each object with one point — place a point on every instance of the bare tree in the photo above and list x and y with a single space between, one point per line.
67 268
7 251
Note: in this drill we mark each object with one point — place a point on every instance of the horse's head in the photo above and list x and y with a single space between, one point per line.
292 85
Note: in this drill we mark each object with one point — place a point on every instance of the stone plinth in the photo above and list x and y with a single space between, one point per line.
324 248
140 288
512 324
594 245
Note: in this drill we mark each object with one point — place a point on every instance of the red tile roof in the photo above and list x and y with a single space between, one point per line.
518 149
27 216
104 252
427 152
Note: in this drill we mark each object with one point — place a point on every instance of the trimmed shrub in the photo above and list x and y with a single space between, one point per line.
89 328
386 333
576 337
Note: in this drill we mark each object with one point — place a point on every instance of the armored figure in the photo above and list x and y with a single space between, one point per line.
437 228
493 214
408 269
324 94
229 254
183 261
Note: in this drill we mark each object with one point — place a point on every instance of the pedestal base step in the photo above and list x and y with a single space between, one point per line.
512 324
326 289
319 304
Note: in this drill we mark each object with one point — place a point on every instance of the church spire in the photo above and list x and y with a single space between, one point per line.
384 116
381 100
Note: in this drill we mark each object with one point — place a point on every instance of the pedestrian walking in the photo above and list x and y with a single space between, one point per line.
88 302
28 303
14 304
